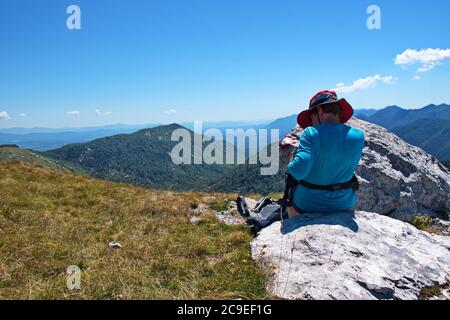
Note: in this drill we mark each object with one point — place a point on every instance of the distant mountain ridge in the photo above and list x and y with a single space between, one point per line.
427 127
429 130
110 127
43 139
364 112
141 158
432 135
395 117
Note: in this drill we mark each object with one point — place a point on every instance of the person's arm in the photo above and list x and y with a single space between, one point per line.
300 166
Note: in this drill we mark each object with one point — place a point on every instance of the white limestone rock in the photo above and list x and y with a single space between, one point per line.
399 179
347 255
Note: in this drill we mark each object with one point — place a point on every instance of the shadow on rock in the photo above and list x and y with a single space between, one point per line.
344 218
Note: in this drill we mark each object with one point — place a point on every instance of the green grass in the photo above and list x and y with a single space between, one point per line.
424 223
219 206
432 291
51 219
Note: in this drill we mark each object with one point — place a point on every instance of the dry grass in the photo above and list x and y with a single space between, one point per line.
257 196
51 219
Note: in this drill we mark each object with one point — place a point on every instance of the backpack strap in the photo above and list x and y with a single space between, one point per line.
290 184
351 184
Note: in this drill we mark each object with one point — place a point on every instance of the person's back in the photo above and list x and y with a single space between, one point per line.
328 154
321 174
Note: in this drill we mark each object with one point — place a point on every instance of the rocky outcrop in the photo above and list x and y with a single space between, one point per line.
347 255
369 253
397 179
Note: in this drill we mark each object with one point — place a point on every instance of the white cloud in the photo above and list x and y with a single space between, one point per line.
170 112
364 83
73 113
427 58
4 115
417 77
426 68
100 113
23 114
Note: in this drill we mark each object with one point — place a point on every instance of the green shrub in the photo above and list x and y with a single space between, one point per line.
430 292
424 223
219 206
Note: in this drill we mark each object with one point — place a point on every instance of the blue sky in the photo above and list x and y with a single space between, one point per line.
147 61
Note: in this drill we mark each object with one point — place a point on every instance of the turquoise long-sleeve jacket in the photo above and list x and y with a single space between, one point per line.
328 154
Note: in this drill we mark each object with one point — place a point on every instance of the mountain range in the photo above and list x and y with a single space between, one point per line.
395 117
432 135
427 128
141 158
43 139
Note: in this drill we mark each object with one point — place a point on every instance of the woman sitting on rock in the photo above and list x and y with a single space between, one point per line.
321 174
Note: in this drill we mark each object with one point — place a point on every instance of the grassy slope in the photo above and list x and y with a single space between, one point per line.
50 219
14 153
9 153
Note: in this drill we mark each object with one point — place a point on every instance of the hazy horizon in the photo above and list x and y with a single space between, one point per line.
150 123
